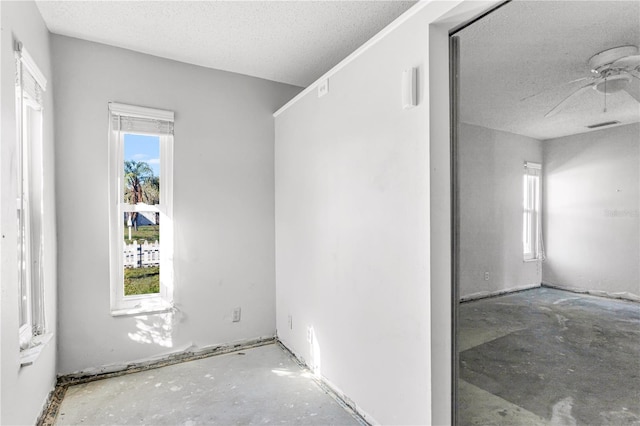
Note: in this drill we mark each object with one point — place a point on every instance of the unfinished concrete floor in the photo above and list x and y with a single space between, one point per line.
546 356
262 385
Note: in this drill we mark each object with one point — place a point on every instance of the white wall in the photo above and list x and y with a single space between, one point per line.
592 210
23 391
353 230
490 164
223 166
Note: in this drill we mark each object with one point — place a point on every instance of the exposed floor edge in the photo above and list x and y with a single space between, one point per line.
57 395
330 390
619 296
174 358
52 404
480 296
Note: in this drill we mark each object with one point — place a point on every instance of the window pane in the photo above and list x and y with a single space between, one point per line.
141 169
23 216
141 228
525 233
531 203
22 268
141 253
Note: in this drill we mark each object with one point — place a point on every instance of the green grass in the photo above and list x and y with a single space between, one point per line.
141 280
151 233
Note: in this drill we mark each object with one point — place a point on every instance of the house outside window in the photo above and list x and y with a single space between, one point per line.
141 212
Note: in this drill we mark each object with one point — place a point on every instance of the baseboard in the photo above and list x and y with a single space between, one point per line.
343 400
488 294
599 293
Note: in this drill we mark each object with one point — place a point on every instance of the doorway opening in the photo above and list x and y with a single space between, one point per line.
545 202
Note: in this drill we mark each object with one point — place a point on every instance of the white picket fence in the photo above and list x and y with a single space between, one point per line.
141 255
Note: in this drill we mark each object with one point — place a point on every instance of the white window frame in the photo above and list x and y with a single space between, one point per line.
532 208
143 303
30 87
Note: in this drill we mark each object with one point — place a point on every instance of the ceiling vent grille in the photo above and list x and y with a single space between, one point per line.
606 123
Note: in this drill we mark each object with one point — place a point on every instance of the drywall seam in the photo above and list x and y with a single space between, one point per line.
330 389
359 51
623 295
485 294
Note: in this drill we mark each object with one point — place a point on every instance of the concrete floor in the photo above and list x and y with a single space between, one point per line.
257 386
549 357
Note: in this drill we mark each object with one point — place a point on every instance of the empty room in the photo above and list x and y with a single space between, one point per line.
548 169
319 212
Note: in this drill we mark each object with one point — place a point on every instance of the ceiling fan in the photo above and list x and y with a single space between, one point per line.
612 70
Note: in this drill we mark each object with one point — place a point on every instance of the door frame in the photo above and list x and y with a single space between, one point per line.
443 248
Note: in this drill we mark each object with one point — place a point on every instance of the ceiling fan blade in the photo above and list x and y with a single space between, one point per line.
556 87
627 62
562 103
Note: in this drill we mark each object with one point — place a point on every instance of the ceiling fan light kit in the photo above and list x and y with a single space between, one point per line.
613 84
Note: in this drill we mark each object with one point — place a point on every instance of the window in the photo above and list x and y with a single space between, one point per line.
532 230
30 86
140 200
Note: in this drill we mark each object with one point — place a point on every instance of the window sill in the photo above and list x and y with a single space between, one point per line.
155 307
28 356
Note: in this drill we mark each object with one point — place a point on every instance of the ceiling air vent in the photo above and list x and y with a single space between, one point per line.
606 123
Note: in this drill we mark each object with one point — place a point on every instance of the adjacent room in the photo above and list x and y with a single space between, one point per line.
240 212
548 193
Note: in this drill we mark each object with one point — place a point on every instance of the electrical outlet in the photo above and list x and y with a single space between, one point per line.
290 321
309 335
486 276
236 314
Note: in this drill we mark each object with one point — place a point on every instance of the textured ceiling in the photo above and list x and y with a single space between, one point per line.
526 47
292 42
